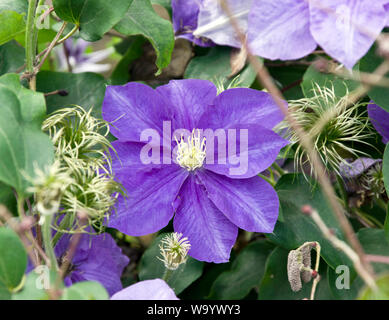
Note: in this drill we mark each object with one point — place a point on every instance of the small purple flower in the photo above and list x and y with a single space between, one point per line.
380 120
208 199
291 29
205 23
156 289
356 168
97 258
78 60
185 14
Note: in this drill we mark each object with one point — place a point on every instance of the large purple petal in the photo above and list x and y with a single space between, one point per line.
242 110
251 150
215 24
346 29
242 106
156 289
209 232
151 191
189 98
380 120
280 29
133 108
251 204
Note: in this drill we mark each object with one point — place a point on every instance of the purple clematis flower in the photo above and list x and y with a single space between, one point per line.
291 29
210 193
97 258
205 23
156 289
78 60
353 169
380 120
185 14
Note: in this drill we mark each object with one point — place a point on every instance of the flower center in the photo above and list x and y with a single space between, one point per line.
191 151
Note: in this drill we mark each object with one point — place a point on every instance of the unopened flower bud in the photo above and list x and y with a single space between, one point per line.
294 265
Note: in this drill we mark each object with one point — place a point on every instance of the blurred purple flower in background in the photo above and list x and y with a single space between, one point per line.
156 289
380 120
207 201
72 57
286 29
204 22
97 258
185 16
291 29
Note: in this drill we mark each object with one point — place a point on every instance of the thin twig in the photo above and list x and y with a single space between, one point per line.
341 245
50 47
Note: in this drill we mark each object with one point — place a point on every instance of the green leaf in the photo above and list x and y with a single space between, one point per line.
275 285
141 19
7 197
246 273
5 294
215 66
20 6
370 62
381 294
314 77
294 191
385 168
12 24
151 267
120 75
374 242
288 80
11 57
13 259
32 104
23 145
386 224
94 18
167 4
86 290
34 286
84 89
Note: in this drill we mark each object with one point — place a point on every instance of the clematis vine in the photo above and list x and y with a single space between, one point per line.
291 29
208 186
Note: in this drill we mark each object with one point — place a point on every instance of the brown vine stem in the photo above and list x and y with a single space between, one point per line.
341 245
264 77
50 47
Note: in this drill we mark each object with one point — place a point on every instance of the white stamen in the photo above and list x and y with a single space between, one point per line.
191 153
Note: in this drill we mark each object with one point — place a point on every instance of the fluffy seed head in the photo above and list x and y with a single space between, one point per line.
48 185
174 250
332 123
